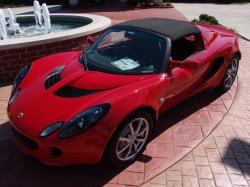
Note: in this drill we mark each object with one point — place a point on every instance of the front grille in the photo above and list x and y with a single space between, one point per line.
52 79
27 142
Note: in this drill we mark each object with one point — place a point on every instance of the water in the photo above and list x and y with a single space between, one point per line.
11 29
38 13
46 18
13 25
30 29
3 32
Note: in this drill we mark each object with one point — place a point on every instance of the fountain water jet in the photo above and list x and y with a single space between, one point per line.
3 17
3 32
37 13
13 25
46 18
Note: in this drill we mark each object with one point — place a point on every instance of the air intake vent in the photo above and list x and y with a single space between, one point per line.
70 92
53 78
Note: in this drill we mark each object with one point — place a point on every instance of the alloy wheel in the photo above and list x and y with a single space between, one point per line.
132 139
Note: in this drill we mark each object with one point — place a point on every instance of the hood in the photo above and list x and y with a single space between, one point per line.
94 80
43 106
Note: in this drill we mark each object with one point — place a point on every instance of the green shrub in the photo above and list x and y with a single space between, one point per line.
204 18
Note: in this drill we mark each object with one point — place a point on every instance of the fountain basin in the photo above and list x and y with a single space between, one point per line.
16 52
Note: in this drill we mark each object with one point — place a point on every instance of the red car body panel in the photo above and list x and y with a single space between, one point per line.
158 92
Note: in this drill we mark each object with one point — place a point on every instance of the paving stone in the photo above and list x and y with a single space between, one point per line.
160 179
242 132
187 136
174 184
209 143
206 183
201 161
237 179
199 150
188 168
222 180
246 170
188 157
204 172
221 142
176 167
160 150
190 181
218 132
174 175
236 146
217 167
242 158
152 185
232 166
130 178
213 154
226 153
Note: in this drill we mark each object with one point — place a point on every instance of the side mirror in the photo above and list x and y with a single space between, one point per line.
90 40
184 64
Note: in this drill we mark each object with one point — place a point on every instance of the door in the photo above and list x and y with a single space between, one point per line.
183 79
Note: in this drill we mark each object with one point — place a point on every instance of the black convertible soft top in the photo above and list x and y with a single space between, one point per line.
173 29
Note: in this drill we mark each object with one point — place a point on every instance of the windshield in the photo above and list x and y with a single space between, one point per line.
124 51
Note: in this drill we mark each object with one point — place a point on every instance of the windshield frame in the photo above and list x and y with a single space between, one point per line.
164 63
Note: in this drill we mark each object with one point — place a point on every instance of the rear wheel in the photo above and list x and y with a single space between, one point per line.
230 75
130 139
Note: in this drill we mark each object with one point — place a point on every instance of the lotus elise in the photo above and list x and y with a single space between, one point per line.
77 107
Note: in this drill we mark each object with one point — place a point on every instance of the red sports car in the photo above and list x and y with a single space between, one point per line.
76 107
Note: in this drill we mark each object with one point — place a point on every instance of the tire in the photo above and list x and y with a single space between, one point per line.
229 75
123 139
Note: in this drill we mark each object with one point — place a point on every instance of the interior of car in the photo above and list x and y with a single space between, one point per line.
185 47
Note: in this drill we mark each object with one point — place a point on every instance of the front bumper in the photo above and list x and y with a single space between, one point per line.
86 148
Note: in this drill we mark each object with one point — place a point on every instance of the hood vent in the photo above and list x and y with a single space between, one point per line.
71 92
54 77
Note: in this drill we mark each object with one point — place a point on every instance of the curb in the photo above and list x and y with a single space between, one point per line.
243 37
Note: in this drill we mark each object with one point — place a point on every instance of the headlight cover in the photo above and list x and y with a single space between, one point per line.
50 129
21 76
84 121
14 96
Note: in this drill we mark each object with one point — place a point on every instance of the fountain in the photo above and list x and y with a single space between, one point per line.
25 38
37 13
11 28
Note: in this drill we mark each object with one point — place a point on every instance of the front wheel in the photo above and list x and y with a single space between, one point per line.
130 139
230 75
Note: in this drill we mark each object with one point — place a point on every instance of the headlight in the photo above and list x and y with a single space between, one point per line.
21 76
84 121
14 96
52 128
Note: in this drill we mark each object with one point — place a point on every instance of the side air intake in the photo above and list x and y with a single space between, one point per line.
53 78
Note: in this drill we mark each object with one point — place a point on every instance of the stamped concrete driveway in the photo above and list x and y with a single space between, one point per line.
235 16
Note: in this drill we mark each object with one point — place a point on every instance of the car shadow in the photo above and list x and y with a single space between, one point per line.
32 173
185 109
